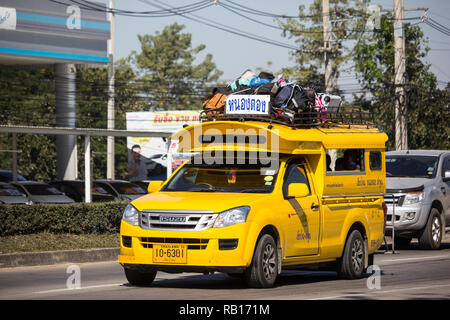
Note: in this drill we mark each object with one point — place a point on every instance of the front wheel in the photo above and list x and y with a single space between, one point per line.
263 271
431 235
138 278
351 264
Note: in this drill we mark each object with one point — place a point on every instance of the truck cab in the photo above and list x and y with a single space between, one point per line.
258 198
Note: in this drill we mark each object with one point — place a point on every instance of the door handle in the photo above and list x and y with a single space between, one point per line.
314 207
443 190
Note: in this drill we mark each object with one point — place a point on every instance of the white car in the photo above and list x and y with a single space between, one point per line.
156 164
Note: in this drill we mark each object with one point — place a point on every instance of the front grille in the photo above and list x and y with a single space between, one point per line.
389 218
193 243
177 220
398 199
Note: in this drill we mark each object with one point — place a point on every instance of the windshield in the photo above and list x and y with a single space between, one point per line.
411 166
128 188
7 190
42 190
223 178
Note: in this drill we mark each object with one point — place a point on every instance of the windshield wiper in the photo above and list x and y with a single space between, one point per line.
202 190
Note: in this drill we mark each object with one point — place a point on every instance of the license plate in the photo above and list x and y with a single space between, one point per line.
170 253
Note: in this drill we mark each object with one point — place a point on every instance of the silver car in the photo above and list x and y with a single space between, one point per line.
40 192
9 194
419 181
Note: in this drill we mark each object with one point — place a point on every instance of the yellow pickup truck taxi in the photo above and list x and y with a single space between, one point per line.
258 198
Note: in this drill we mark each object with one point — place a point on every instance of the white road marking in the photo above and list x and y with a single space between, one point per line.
81 288
416 258
382 291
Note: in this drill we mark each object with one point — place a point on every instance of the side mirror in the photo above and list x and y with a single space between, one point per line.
446 176
154 186
298 190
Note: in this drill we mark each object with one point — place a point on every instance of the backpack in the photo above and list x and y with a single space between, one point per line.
271 88
299 104
283 95
214 104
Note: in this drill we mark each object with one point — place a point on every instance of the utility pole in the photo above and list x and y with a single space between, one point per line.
401 130
326 44
111 112
327 62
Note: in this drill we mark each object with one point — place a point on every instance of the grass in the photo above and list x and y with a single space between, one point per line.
49 242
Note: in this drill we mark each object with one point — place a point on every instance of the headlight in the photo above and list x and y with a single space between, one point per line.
413 197
231 217
131 215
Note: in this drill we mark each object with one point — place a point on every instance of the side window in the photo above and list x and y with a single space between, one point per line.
345 160
375 160
446 166
295 174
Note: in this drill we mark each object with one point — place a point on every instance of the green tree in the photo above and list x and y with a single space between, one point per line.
347 18
92 97
428 110
27 98
166 70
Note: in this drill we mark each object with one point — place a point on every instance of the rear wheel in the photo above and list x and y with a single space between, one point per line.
263 271
431 235
139 278
351 264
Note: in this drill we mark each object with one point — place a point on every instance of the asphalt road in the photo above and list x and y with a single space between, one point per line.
407 274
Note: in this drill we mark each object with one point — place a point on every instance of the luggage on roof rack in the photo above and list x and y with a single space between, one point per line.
290 104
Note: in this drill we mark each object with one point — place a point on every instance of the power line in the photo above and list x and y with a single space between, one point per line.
92 6
229 29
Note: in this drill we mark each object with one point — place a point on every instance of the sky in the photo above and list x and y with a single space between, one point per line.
234 54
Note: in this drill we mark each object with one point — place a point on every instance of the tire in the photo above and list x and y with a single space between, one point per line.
139 278
263 271
431 235
351 264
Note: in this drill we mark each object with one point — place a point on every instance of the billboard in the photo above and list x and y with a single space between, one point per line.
47 32
148 157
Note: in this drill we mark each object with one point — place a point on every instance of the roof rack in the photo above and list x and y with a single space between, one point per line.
344 116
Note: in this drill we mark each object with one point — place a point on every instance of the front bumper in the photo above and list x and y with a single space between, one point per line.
407 218
209 250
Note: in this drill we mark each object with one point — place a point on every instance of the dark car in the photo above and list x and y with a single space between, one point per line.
143 184
40 192
7 176
10 194
121 189
75 189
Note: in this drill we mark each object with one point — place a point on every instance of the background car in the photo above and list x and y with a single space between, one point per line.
7 176
418 182
121 189
143 184
41 192
9 194
75 189
156 167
